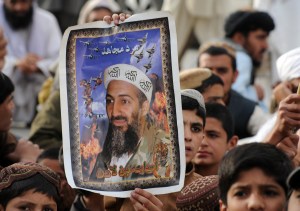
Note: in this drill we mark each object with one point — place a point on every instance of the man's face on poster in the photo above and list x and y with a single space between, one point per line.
125 113
122 104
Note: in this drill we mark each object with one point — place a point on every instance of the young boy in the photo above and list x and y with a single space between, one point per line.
253 177
219 138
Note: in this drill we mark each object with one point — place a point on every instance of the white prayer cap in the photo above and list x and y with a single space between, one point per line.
194 94
130 74
90 5
288 65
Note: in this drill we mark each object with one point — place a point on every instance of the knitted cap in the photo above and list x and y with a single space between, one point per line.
194 94
201 194
130 74
192 78
21 171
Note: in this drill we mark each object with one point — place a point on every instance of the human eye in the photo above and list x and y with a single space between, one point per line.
125 101
109 100
24 208
240 193
196 128
48 209
212 135
270 193
222 70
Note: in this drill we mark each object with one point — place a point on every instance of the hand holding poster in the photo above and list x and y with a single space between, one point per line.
121 108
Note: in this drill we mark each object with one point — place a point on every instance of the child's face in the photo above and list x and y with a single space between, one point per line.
254 190
214 145
193 133
31 200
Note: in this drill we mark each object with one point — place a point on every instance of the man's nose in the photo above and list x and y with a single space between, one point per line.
116 108
20 7
187 134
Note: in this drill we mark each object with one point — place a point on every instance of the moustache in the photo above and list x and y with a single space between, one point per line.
118 118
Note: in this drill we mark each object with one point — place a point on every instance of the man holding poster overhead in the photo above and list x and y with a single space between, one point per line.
132 147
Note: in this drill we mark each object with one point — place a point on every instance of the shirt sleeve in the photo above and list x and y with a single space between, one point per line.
242 84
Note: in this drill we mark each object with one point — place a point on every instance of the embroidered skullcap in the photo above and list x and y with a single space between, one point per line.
130 74
201 194
293 180
6 87
248 20
288 65
194 94
20 171
192 78
91 5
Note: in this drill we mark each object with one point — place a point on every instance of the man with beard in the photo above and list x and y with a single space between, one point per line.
33 45
247 32
129 142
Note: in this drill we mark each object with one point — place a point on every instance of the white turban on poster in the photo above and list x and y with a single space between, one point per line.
130 74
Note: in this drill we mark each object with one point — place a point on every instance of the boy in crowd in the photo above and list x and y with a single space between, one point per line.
219 138
253 177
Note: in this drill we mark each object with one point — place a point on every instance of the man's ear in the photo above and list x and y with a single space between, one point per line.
235 75
239 38
232 142
145 107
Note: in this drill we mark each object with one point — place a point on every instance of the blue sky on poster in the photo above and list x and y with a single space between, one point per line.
94 55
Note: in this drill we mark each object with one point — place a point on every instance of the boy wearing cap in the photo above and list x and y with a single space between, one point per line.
247 32
203 80
129 143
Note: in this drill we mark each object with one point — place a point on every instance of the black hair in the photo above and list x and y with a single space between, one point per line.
222 114
247 21
209 82
6 87
37 183
192 104
52 153
266 157
215 50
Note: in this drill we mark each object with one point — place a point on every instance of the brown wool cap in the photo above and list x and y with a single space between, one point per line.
192 78
201 194
22 170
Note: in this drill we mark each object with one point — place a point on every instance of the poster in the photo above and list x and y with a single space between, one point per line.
121 107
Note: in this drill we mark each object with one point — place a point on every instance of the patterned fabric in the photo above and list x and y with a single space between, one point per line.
22 170
202 194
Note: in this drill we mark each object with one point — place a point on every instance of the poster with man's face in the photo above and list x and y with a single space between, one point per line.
121 108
